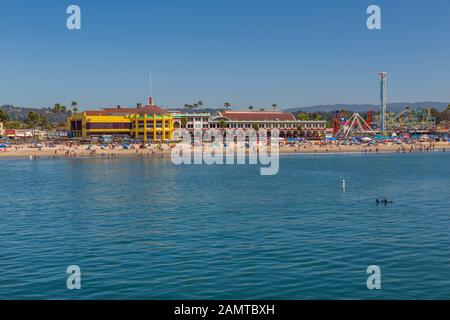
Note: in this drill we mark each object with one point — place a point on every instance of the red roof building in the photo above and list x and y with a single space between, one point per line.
150 108
284 122
257 115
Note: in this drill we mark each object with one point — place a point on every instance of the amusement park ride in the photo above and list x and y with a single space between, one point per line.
355 125
409 120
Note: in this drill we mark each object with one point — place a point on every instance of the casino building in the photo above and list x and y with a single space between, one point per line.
145 123
153 123
286 123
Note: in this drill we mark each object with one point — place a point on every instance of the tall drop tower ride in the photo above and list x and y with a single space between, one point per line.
383 76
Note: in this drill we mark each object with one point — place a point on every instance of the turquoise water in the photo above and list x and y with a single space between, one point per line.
147 229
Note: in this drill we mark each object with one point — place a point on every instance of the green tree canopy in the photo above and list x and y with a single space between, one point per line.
33 119
13 125
74 106
43 122
60 108
4 116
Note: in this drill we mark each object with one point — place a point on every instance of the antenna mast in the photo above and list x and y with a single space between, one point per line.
150 99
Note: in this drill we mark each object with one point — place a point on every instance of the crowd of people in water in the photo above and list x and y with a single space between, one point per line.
384 201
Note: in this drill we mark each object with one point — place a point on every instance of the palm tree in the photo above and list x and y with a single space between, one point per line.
74 105
43 122
195 106
222 124
227 105
59 108
33 120
274 106
250 108
200 103
56 108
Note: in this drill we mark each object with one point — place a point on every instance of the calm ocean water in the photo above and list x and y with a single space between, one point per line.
147 229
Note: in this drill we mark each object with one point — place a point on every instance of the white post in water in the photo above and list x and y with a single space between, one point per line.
343 184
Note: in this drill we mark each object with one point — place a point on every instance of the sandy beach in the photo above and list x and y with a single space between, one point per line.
64 151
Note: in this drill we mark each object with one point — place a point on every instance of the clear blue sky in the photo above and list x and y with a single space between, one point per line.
246 52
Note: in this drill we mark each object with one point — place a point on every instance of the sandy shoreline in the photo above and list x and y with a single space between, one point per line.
165 151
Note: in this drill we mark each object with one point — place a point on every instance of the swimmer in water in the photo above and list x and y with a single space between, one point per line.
384 201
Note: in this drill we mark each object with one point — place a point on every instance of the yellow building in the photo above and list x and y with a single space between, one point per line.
143 123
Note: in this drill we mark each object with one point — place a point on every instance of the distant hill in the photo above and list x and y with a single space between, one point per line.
21 113
395 107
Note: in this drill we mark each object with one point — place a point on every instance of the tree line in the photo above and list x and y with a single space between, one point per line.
37 120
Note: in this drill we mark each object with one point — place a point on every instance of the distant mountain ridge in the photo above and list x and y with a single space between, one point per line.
395 107
21 113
